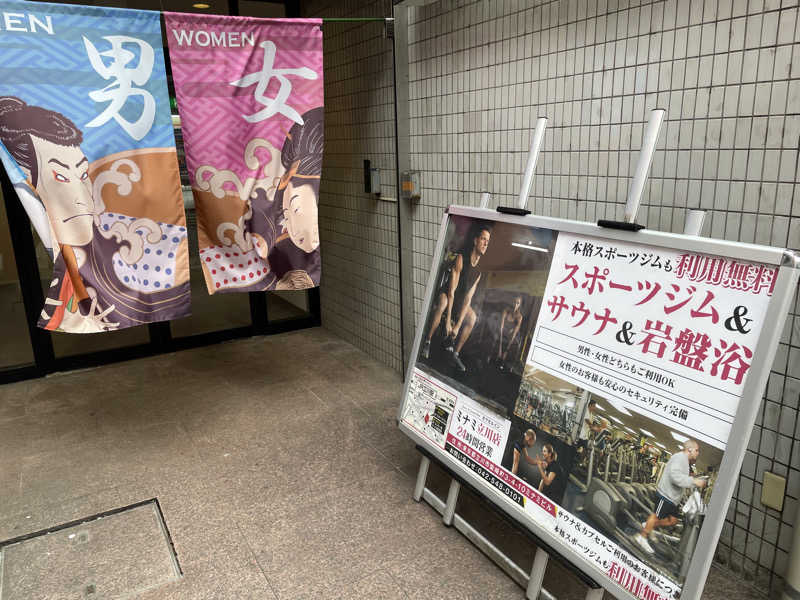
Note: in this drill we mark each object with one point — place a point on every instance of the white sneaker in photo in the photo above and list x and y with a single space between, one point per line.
457 362
639 538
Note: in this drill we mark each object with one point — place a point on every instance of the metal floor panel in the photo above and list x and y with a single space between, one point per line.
117 554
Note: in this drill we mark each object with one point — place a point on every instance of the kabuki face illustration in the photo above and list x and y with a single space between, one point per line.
65 189
296 198
46 146
300 216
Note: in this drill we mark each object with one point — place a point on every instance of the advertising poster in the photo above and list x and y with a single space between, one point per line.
250 98
595 384
87 141
489 287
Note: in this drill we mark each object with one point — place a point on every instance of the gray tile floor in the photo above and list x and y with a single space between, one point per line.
278 467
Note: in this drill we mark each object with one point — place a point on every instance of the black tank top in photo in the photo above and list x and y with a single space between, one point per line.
469 275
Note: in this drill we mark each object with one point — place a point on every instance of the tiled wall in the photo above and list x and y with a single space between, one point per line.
360 292
728 74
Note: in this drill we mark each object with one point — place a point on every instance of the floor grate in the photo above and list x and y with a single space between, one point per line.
113 554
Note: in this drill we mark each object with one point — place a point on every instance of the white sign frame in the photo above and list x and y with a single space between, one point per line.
754 386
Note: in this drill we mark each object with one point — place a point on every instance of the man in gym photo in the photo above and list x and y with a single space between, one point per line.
454 299
675 478
510 322
589 425
521 450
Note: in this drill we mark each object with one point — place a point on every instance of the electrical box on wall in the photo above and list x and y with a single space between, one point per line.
773 490
372 179
411 186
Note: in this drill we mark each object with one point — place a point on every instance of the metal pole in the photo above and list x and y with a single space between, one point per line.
533 156
485 198
422 477
450 505
694 222
356 19
405 209
537 574
643 165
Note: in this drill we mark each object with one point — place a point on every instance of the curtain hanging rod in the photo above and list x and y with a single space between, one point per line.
354 19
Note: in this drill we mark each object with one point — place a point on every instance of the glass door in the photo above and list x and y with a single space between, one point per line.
15 343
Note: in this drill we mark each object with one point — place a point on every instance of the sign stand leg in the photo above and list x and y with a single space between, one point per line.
694 222
422 477
450 505
643 163
596 594
530 167
522 578
537 574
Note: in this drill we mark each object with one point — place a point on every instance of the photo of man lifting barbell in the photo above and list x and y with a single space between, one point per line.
486 296
454 298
